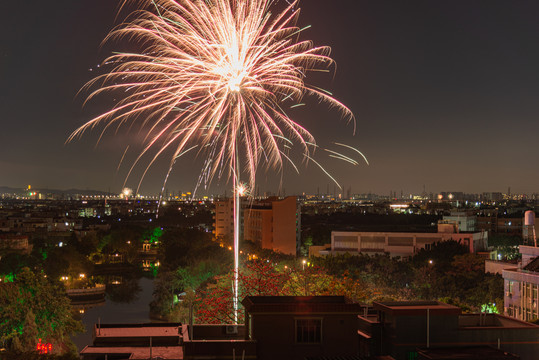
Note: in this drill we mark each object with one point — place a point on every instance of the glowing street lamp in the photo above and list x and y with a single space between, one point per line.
304 262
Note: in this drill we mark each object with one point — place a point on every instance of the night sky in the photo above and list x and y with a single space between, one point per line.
445 93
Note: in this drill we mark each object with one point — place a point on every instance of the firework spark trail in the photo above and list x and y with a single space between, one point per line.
217 74
214 74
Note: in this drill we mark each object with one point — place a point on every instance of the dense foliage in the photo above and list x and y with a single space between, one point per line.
33 307
446 272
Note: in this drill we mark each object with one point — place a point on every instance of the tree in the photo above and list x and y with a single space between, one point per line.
440 255
256 278
187 247
34 307
262 278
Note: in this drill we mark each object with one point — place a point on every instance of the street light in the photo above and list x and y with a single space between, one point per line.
304 262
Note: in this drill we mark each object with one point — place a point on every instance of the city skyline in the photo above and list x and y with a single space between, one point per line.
443 96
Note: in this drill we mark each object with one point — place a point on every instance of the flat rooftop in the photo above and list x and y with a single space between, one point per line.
137 330
466 353
298 299
416 307
492 320
137 353
300 304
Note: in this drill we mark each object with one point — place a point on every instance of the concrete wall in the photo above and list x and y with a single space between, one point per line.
284 225
276 338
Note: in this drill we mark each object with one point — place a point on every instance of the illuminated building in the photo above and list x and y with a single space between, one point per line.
402 244
464 220
272 223
223 218
521 286
15 243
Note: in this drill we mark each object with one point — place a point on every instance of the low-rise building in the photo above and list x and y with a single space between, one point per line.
521 284
10 242
135 341
299 327
464 220
325 327
402 244
401 329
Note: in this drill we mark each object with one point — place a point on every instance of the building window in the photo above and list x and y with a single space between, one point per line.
309 331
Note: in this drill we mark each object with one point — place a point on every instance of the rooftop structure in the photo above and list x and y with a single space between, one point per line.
399 329
289 327
135 341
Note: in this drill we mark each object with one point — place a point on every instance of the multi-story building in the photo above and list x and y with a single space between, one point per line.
464 220
223 219
10 242
521 286
272 223
501 225
402 244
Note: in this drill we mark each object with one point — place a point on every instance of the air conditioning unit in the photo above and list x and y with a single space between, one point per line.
231 329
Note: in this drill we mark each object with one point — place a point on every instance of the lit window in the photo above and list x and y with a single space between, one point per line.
309 331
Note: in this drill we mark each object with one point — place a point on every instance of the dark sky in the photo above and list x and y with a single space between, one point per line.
446 96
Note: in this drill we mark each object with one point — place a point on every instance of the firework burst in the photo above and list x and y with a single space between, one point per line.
213 76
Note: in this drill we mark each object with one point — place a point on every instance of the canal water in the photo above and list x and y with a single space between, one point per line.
118 308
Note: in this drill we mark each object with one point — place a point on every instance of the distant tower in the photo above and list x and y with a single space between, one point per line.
528 232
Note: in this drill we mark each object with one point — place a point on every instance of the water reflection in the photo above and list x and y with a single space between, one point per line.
122 288
127 301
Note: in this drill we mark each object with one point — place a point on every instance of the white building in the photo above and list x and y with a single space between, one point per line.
401 244
464 221
521 286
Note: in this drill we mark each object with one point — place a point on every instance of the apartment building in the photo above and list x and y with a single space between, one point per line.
521 286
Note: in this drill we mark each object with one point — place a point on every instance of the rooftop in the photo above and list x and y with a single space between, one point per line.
137 353
416 307
300 304
492 320
533 265
137 330
466 353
